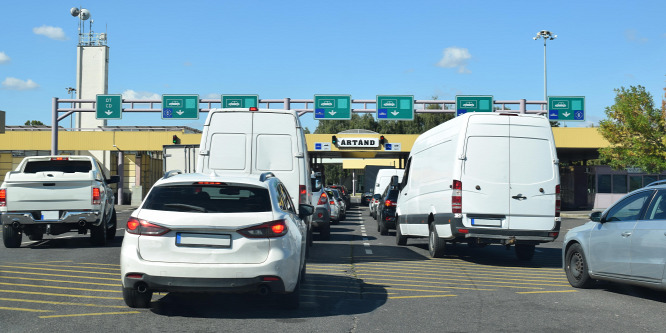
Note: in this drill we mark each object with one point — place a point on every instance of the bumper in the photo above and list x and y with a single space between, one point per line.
90 216
505 235
319 221
388 218
179 284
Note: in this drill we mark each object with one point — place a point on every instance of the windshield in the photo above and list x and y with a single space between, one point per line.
209 199
58 166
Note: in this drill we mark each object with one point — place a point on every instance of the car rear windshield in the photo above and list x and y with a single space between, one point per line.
209 199
392 194
57 166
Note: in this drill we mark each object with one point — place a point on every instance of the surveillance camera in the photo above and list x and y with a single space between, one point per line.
534 38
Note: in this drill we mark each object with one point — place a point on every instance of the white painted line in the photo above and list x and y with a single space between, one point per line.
366 244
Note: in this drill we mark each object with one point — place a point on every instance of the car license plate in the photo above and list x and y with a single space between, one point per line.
203 240
487 222
50 215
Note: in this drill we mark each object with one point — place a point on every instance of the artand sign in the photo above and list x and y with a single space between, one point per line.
358 142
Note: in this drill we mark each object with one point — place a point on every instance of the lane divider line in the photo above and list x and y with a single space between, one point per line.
90 314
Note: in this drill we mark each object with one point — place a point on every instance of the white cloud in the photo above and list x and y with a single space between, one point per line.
12 83
131 94
4 58
50 32
455 57
632 36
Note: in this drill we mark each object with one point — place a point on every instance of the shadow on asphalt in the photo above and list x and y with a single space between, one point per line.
76 242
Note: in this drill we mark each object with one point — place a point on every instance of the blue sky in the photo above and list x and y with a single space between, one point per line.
296 49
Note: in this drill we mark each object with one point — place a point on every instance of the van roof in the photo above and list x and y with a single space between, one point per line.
214 176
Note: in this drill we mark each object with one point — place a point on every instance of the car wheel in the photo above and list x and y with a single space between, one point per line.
111 233
325 232
383 229
436 245
11 236
135 299
98 234
525 252
576 267
399 238
292 300
303 272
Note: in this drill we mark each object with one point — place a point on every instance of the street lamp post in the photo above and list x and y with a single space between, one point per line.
71 92
546 35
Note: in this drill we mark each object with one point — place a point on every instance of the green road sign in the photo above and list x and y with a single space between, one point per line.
180 106
240 101
332 107
399 107
466 104
109 107
569 108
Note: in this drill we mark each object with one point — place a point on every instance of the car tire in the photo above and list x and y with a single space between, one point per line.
399 238
575 265
135 299
325 232
436 245
111 232
98 234
383 229
292 300
303 272
11 236
525 252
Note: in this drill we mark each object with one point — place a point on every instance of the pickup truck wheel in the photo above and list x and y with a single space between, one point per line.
11 236
436 245
111 233
525 252
135 299
399 238
98 234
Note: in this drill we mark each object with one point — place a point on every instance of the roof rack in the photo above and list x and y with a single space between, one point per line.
265 176
172 173
658 182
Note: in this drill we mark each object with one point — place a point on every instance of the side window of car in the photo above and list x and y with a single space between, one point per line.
629 208
284 199
657 208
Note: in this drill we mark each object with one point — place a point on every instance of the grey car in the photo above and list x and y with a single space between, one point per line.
626 243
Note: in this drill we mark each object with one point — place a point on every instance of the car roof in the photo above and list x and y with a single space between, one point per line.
250 179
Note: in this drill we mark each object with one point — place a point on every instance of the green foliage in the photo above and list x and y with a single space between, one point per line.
33 123
636 131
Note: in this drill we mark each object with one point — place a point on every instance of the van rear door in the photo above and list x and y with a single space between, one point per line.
229 142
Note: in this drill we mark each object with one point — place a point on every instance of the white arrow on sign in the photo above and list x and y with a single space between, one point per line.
395 113
566 114
108 112
180 113
332 113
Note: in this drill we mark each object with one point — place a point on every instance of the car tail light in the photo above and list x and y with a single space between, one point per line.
59 159
209 183
558 200
3 197
389 203
96 197
303 194
320 215
463 231
322 199
254 108
456 197
145 228
553 234
270 229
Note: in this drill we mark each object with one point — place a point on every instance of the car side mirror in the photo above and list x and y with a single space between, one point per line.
305 210
595 216
113 180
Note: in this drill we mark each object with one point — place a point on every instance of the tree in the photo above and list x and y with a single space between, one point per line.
636 130
33 123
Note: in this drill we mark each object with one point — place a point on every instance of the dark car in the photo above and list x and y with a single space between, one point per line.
366 197
386 209
343 192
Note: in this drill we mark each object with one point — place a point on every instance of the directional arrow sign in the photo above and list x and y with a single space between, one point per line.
240 101
335 107
397 107
180 106
566 108
109 107
465 103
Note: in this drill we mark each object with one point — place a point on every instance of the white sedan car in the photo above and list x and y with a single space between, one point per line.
203 233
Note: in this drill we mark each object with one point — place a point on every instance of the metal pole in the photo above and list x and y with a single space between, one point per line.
287 103
54 126
121 175
545 80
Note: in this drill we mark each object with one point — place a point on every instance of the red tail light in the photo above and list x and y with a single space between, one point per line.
332 202
254 108
59 159
270 229
389 203
558 201
96 197
3 197
456 197
303 194
322 199
463 231
145 228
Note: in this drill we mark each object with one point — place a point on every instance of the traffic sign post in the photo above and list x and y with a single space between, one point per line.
332 107
240 101
566 108
180 107
466 104
109 107
399 107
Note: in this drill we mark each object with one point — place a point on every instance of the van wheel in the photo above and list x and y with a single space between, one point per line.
111 233
11 236
436 245
325 232
525 251
399 238
98 234
576 267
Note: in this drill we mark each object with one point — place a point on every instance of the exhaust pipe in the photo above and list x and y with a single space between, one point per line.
263 290
82 223
16 225
141 287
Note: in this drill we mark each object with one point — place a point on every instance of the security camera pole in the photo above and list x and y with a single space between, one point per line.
546 35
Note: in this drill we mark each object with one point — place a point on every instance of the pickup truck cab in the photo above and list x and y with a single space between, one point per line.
54 195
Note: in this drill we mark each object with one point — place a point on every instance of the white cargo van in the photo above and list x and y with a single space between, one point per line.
384 178
256 141
482 178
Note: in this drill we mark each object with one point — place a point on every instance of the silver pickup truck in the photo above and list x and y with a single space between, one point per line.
54 195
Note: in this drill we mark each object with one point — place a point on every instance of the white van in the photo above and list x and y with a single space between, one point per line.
482 178
257 141
384 178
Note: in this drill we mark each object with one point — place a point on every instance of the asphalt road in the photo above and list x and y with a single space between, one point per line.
357 282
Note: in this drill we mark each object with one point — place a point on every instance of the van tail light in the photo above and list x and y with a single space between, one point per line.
322 199
558 201
389 203
96 196
456 197
145 228
303 194
272 229
3 197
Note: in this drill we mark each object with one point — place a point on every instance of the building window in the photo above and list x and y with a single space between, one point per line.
604 183
635 182
649 179
619 183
